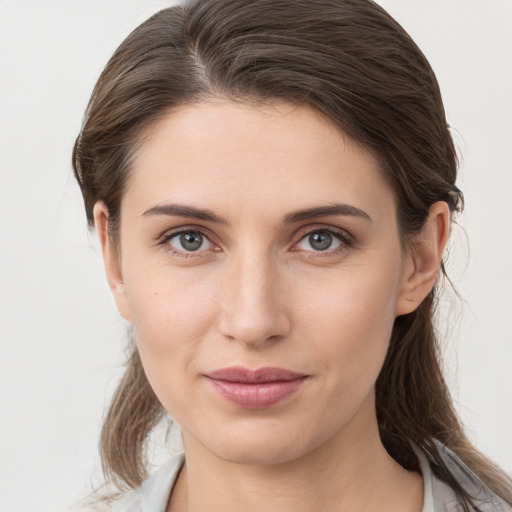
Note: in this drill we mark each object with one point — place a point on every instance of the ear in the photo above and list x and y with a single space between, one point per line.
111 259
424 259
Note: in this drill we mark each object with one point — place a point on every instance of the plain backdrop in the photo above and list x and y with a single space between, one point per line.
61 338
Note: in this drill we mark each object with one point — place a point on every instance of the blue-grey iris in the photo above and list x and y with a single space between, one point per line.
191 241
320 240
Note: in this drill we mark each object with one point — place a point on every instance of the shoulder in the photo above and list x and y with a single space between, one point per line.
153 494
440 497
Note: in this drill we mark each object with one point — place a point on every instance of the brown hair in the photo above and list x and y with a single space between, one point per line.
350 61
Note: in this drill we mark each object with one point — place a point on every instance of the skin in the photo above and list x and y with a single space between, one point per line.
259 293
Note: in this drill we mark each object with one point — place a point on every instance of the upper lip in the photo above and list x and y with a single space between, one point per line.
244 375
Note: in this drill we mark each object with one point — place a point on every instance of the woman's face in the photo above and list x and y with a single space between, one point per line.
255 238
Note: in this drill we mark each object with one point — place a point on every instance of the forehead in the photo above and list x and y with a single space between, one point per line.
223 154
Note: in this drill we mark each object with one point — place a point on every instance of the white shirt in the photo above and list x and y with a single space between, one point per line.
153 494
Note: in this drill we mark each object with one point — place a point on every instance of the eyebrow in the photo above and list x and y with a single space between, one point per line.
192 212
181 210
324 211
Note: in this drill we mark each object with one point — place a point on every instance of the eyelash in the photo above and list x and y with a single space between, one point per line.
346 242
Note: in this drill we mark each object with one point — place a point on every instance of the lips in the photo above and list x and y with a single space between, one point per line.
239 374
255 389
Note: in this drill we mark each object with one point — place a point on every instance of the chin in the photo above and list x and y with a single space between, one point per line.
261 445
256 454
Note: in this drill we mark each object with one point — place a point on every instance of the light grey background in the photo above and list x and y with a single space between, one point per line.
60 336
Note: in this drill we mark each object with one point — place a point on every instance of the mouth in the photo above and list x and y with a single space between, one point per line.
255 389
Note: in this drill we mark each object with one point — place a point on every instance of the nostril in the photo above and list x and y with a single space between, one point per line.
267 328
250 335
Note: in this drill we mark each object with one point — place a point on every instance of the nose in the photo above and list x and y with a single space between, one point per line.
253 303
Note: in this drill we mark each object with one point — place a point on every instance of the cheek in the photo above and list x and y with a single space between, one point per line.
171 313
353 318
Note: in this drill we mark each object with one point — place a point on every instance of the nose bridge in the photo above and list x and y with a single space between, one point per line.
253 309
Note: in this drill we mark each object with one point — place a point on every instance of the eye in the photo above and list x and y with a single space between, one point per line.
321 240
189 241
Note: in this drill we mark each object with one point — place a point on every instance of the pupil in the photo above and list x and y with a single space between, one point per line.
320 241
191 241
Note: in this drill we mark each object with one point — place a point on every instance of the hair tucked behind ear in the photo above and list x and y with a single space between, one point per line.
349 61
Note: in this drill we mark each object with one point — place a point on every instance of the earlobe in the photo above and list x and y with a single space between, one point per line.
111 259
424 261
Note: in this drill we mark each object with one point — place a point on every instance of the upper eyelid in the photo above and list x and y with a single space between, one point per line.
170 233
342 233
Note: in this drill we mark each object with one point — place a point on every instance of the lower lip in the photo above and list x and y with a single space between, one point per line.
257 395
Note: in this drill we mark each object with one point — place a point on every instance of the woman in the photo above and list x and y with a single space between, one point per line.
272 183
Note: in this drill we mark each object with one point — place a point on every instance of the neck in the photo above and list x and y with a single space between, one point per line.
351 471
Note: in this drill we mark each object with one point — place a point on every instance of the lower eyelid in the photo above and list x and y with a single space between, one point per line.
183 254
